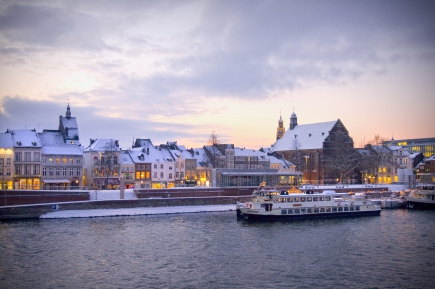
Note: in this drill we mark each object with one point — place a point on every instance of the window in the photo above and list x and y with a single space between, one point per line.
161 175
36 157
44 171
71 172
1 171
155 175
64 172
78 172
36 170
18 157
155 166
8 161
57 160
50 172
71 161
77 161
27 170
170 176
57 172
161 166
50 160
137 175
8 171
27 156
64 160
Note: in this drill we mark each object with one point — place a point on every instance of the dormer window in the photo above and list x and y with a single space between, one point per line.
19 142
309 135
34 143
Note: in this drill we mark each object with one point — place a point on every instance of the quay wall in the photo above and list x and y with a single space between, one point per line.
36 210
23 197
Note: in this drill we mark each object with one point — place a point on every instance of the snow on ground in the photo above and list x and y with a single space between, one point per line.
99 195
136 211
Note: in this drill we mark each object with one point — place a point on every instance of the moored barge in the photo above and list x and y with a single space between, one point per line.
272 204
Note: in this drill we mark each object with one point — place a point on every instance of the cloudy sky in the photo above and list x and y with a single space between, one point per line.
179 70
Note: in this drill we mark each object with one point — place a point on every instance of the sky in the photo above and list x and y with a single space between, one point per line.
181 70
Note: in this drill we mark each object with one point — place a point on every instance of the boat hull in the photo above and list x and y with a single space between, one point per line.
295 217
416 205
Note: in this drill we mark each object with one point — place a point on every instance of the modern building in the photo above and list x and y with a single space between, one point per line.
416 145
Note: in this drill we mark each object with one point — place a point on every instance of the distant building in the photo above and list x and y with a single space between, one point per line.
426 170
416 145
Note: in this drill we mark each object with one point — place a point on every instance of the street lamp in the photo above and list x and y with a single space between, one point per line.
307 156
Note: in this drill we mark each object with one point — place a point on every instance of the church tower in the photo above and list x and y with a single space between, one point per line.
293 120
68 112
280 130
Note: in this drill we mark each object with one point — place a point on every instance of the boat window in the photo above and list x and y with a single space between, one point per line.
302 211
315 199
334 209
290 211
316 210
327 198
309 199
297 211
283 212
321 210
302 199
352 208
282 200
321 199
310 210
296 199
328 210
346 209
290 200
356 208
340 209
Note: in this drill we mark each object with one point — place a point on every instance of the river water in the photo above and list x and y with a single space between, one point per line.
214 250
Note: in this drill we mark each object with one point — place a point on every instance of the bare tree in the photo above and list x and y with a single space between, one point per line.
377 140
214 156
297 155
340 155
109 161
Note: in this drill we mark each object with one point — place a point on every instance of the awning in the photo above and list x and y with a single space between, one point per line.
55 181
110 181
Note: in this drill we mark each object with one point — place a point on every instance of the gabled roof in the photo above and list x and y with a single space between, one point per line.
99 145
308 136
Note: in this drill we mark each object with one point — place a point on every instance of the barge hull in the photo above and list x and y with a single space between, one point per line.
295 217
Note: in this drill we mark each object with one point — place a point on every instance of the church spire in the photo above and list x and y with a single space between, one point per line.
280 130
68 111
293 120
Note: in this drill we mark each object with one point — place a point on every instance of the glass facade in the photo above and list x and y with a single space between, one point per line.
242 178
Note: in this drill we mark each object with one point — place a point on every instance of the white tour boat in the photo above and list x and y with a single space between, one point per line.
422 197
272 204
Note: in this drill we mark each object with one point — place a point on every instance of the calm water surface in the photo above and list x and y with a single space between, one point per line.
214 250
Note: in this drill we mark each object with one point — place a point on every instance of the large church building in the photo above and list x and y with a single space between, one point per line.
306 146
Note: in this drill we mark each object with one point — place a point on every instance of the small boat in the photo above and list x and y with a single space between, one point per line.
272 204
392 202
422 197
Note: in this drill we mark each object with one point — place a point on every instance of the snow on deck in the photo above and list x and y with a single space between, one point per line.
136 211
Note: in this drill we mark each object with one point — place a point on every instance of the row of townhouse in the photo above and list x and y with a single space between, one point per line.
55 159
384 164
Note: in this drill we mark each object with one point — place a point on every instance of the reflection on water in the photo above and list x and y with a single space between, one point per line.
214 250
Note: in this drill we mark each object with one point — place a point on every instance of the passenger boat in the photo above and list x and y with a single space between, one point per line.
272 204
422 197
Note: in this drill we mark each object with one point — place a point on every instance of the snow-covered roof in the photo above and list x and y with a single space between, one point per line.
6 140
125 158
53 144
71 128
24 138
308 136
99 145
